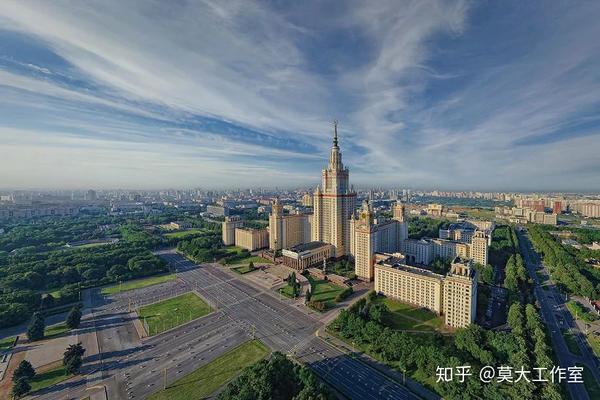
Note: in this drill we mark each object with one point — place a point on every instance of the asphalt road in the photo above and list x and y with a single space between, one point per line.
131 368
556 317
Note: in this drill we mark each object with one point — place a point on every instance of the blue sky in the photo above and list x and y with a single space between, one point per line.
447 95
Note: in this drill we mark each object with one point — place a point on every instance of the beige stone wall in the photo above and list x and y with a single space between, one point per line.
420 290
252 239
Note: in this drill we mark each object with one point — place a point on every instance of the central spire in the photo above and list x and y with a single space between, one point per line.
335 157
335 139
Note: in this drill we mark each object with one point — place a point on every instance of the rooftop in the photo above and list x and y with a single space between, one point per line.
308 246
397 263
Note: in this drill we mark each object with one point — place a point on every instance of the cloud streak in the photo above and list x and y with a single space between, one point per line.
430 94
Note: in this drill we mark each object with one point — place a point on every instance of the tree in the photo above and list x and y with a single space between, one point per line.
275 378
515 318
72 358
472 339
378 311
487 274
74 317
20 388
36 328
24 370
73 364
251 265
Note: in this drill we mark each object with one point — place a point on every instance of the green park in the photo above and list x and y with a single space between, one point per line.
167 314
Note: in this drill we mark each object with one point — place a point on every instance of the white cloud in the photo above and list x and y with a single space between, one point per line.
253 64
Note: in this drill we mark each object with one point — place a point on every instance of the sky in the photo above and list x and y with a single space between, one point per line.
451 95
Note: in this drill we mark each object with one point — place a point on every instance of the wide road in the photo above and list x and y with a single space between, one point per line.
285 328
551 303
131 368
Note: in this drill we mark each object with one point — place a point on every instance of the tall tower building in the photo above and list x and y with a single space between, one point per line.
334 203
370 235
364 243
479 248
460 294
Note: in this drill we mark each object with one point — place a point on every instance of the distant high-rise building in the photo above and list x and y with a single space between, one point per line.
307 200
334 203
557 207
91 195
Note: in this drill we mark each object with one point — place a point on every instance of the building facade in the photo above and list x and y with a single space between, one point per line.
218 211
334 202
479 248
413 285
251 239
370 235
287 230
460 294
228 228
424 251
307 255
453 295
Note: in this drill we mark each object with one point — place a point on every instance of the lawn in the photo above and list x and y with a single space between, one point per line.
183 234
89 245
571 342
208 378
578 311
254 259
591 386
240 259
55 331
137 284
244 269
481 213
286 291
172 312
404 316
594 342
48 378
324 291
7 343
233 250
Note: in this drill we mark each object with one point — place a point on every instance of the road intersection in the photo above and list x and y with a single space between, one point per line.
127 367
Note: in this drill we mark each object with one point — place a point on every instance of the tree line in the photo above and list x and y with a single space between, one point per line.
420 355
275 378
569 272
24 279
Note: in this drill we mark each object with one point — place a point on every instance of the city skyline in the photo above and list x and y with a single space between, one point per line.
457 95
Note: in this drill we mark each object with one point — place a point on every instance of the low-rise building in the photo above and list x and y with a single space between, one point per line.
424 251
217 211
307 255
180 225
